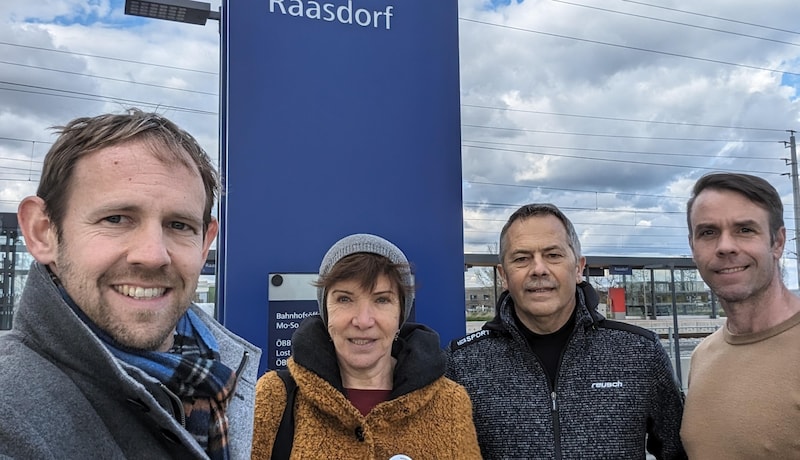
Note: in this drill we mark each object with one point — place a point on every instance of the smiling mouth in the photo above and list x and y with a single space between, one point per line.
726 271
138 292
360 341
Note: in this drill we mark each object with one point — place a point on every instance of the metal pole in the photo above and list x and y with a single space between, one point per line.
675 325
653 310
496 295
796 199
222 201
669 340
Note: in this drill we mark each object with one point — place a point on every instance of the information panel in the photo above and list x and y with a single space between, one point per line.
339 117
292 298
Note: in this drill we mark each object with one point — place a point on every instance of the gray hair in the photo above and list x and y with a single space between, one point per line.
542 209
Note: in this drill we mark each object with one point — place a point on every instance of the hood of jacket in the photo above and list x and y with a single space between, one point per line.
420 358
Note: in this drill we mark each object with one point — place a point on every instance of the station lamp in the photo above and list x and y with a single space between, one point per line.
187 11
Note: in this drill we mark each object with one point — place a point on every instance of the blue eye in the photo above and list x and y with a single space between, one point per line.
181 226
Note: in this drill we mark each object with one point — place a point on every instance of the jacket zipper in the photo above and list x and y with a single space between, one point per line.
177 405
556 427
238 373
554 400
554 396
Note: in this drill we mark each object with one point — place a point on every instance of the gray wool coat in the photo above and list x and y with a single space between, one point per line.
64 396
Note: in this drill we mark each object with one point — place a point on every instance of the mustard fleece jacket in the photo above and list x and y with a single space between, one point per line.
427 416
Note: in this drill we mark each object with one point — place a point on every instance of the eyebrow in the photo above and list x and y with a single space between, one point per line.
737 223
115 208
553 247
747 223
345 291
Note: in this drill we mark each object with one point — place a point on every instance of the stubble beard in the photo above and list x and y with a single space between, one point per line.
736 296
144 330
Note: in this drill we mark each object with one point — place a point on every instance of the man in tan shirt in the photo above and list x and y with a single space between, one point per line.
743 400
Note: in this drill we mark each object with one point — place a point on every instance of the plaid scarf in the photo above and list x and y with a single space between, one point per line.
191 369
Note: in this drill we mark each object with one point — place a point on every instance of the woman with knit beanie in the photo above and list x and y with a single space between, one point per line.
369 384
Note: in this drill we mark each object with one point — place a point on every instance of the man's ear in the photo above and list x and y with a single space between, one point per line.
39 232
779 243
208 237
581 266
502 274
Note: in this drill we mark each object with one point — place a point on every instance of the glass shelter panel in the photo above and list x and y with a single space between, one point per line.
649 293
482 286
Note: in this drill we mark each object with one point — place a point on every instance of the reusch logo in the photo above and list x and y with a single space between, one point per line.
617 384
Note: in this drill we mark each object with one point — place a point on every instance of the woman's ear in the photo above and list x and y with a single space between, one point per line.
39 232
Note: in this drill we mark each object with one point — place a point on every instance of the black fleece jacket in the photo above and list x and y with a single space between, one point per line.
615 393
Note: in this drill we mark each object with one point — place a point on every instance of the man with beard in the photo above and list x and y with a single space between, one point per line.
108 356
549 377
744 384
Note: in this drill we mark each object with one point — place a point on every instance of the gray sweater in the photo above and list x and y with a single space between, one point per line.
615 391
64 396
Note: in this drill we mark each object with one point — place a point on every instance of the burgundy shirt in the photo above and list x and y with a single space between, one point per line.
365 400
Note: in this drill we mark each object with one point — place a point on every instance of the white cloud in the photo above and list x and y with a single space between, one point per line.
610 110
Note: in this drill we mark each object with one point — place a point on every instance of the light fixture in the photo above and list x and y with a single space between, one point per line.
187 11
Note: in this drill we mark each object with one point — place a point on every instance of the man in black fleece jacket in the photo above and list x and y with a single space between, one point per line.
549 377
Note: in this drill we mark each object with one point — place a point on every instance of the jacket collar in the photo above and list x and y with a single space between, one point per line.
50 324
420 358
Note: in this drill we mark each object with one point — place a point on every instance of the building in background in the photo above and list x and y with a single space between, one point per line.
14 263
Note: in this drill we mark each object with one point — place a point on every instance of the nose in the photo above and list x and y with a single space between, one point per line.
538 266
726 244
364 317
148 246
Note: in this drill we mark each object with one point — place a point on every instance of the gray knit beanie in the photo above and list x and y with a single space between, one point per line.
364 242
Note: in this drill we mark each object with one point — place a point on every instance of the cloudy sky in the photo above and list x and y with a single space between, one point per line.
610 109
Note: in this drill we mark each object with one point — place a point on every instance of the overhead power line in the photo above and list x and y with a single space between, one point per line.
634 48
633 120
618 136
480 204
613 160
75 53
712 17
599 192
99 77
633 152
98 98
678 23
22 140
